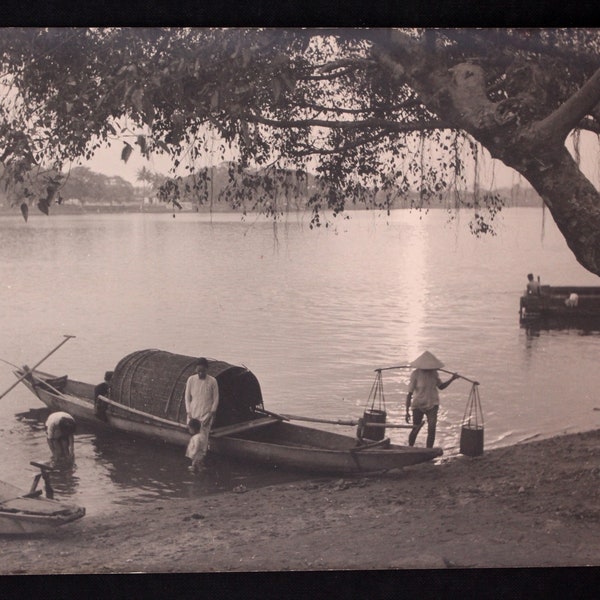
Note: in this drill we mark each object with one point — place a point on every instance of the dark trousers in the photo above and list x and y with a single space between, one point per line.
418 415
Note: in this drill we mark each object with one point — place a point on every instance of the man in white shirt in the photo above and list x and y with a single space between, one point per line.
202 400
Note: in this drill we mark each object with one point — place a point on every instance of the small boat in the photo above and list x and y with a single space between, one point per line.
562 303
27 512
143 396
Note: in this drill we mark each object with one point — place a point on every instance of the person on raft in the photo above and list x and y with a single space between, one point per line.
201 402
533 286
423 395
60 427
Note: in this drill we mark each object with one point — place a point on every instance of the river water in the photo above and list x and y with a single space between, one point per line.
311 313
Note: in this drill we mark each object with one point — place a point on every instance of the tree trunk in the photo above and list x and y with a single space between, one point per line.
572 200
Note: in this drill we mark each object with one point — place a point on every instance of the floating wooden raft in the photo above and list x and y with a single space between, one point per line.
153 381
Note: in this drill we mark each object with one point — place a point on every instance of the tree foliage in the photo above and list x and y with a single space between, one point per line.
374 113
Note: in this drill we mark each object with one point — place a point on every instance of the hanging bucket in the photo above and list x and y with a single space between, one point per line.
372 415
471 440
471 433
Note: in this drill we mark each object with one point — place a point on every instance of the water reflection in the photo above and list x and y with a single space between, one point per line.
581 325
310 313
140 470
415 281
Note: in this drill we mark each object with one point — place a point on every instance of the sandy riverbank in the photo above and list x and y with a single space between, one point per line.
535 504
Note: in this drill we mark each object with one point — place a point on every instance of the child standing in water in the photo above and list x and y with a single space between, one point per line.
195 450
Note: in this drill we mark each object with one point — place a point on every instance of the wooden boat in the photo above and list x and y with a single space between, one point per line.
27 512
127 406
554 302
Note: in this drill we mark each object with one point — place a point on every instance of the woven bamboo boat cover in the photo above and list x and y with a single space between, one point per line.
154 381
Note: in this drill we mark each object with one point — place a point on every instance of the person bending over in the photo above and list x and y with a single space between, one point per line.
60 427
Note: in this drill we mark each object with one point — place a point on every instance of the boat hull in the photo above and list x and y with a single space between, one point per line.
552 303
20 514
280 444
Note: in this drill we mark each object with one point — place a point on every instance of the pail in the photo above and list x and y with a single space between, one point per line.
471 440
374 416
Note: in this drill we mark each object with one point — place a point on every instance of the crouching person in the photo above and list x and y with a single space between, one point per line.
60 430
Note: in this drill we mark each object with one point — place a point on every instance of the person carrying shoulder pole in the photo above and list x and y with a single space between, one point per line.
423 395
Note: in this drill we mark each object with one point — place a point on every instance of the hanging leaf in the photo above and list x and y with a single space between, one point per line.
43 206
175 203
141 142
50 193
126 152
25 210
163 146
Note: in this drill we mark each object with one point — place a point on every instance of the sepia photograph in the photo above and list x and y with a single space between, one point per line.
299 299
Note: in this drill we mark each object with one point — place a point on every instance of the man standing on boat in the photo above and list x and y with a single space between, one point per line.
423 395
533 286
202 400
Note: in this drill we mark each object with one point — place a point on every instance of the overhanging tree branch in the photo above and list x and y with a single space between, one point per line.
348 125
566 117
361 141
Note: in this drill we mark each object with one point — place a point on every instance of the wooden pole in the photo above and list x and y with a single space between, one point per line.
348 423
461 376
217 432
443 370
14 385
142 413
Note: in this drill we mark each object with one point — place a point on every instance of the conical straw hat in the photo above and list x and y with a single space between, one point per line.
427 361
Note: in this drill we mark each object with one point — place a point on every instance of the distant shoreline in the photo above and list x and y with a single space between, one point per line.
169 209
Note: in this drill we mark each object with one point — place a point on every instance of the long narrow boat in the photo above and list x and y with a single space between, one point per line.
561 302
145 395
25 513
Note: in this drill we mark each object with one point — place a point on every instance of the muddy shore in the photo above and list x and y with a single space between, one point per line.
529 505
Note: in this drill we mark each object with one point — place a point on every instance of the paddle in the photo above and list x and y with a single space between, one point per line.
14 385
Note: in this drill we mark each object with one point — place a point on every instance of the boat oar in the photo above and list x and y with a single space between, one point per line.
14 385
264 411
9 363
